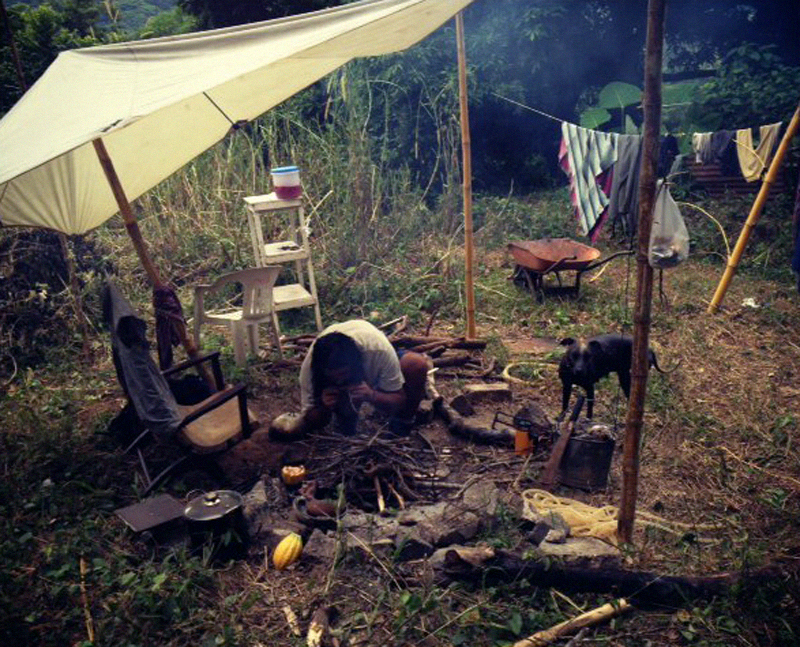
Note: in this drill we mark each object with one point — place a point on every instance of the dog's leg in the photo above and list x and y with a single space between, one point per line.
566 392
625 382
590 401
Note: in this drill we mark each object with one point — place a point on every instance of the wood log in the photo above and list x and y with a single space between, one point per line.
458 427
407 341
641 588
454 359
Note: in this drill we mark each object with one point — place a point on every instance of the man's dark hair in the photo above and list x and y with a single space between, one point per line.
332 351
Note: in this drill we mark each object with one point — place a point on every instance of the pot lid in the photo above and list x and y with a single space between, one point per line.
212 505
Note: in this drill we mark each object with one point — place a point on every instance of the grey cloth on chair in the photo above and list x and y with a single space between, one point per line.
138 374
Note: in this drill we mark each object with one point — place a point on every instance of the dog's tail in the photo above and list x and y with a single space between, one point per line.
654 363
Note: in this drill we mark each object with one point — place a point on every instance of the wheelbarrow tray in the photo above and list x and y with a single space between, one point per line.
552 254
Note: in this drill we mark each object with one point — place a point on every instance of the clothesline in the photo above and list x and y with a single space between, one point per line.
559 120
522 105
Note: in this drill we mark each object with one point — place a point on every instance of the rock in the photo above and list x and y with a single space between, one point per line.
320 546
578 547
410 547
481 497
487 392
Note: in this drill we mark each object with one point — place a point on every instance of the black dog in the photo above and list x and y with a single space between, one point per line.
585 362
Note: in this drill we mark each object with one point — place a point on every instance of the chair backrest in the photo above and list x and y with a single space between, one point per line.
138 374
257 284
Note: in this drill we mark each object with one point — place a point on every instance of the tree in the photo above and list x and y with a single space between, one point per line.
40 33
212 14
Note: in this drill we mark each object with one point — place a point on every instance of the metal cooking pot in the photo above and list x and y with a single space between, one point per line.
216 520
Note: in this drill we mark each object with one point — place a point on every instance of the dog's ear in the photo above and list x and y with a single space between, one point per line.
567 341
596 347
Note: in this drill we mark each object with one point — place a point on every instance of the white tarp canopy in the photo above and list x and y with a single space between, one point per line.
157 104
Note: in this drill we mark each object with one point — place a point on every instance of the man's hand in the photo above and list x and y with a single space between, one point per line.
330 396
361 393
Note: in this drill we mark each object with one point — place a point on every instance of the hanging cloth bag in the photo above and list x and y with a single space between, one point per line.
669 238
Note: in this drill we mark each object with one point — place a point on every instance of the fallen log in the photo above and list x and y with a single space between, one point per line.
454 359
642 588
457 426
422 344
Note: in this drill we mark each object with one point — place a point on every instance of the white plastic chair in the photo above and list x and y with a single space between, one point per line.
257 307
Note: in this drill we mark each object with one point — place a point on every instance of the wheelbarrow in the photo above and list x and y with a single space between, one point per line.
537 258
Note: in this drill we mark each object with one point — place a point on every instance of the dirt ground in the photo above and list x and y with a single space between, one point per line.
718 466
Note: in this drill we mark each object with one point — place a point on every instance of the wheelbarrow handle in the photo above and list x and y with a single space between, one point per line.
592 266
554 266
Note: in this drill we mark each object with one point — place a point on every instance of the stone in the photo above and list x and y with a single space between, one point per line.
320 546
484 392
575 547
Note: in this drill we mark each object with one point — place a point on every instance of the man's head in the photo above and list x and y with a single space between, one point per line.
335 361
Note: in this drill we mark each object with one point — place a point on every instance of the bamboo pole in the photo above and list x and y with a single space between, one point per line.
466 151
656 10
587 619
140 246
755 212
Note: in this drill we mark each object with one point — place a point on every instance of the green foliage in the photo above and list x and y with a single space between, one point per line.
619 95
753 86
40 33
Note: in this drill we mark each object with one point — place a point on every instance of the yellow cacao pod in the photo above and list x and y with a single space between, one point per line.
293 474
287 551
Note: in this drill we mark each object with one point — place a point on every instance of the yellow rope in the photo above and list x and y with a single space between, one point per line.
587 521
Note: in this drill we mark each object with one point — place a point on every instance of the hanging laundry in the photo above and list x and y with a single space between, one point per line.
586 156
701 143
623 204
753 160
709 148
667 152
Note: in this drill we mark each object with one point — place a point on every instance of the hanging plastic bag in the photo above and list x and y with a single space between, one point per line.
669 238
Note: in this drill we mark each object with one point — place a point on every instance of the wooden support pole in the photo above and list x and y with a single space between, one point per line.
656 10
127 213
140 246
466 150
755 212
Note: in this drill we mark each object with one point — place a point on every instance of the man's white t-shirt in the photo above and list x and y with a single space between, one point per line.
381 364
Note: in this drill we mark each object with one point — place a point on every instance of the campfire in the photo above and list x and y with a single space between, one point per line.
374 471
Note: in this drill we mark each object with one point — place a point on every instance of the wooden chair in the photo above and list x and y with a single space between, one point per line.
257 307
172 437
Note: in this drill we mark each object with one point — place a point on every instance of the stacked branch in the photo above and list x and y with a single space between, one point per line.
377 471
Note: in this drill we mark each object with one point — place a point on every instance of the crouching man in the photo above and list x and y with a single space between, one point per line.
354 362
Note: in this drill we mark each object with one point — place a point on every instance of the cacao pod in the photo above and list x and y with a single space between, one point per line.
287 551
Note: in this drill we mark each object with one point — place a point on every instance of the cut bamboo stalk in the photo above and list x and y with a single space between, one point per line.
466 150
755 212
593 617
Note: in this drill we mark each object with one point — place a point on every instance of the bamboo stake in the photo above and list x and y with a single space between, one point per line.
87 614
593 617
656 10
755 212
466 151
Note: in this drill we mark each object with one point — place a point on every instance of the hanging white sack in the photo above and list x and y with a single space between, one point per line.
669 238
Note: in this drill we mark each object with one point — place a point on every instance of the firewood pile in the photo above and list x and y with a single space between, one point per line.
377 471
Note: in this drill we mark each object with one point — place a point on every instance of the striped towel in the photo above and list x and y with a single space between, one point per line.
585 155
